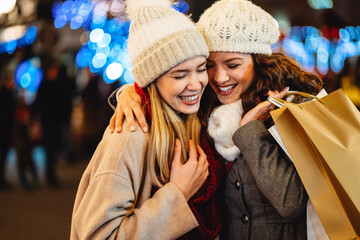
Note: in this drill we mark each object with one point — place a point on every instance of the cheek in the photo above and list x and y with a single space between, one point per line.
243 77
210 73
174 89
204 79
250 78
165 90
250 73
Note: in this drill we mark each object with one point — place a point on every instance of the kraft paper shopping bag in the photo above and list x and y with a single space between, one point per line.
323 140
315 229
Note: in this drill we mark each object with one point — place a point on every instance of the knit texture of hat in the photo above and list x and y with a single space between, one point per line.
160 38
238 26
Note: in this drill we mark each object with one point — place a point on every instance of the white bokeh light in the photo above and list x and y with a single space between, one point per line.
114 71
7 6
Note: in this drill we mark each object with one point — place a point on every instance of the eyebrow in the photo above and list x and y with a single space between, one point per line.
231 59
228 60
186 69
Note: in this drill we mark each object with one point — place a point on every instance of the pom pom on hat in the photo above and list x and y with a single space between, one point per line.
238 26
132 6
160 38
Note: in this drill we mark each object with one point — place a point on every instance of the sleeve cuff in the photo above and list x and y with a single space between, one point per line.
182 205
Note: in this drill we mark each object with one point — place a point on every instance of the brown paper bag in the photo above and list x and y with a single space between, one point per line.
323 140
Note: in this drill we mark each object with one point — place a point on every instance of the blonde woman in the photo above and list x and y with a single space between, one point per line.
145 185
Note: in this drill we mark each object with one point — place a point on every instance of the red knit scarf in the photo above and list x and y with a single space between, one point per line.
206 203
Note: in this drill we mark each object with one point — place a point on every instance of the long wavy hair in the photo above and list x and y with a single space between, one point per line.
273 72
166 126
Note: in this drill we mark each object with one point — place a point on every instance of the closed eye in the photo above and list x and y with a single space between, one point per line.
233 66
179 77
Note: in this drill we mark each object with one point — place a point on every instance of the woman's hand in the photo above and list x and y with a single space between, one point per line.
262 110
129 103
189 177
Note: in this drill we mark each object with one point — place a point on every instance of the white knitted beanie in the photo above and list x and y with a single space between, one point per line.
160 38
238 26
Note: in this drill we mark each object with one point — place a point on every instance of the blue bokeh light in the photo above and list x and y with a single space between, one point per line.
105 41
28 74
67 6
181 6
322 55
99 21
115 26
60 21
83 57
344 35
104 50
128 77
336 63
92 46
30 34
76 22
99 60
10 46
56 8
94 69
25 80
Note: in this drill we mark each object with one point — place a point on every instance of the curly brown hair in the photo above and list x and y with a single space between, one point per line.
273 72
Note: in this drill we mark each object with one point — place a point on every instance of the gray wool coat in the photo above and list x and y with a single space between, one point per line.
265 198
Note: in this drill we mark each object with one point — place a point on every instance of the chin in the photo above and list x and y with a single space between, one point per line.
189 111
226 100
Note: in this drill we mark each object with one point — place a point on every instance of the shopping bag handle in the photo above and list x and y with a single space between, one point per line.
281 102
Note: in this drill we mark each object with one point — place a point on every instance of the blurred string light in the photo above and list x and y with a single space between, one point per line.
104 41
320 4
16 36
321 50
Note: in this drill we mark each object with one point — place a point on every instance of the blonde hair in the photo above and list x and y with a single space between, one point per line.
166 126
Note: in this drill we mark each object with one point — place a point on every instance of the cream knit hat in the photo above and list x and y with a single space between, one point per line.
238 26
160 38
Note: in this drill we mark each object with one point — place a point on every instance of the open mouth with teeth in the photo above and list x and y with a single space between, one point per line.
226 90
190 100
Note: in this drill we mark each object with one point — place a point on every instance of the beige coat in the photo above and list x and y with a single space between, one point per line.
113 199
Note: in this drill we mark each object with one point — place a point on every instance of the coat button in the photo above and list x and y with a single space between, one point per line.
245 219
237 185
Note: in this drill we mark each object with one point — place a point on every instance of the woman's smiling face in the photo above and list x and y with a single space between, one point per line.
230 74
182 86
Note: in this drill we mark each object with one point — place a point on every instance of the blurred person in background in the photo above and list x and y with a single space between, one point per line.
7 117
94 101
23 144
52 107
350 80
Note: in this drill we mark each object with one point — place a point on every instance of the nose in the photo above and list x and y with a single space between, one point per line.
220 75
194 83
